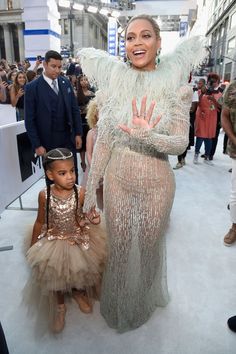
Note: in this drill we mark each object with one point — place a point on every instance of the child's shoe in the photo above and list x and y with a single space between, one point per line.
83 301
59 322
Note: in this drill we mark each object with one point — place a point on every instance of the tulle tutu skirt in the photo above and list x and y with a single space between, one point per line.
57 265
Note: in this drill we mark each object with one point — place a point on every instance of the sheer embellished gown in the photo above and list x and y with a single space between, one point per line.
139 184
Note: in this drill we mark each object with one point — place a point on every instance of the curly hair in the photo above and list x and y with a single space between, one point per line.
92 113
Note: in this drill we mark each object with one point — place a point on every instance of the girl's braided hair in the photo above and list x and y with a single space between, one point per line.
56 155
59 154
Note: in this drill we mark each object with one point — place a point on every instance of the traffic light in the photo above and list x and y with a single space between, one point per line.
219 61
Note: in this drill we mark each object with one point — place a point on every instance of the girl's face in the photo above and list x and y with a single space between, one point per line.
142 45
21 79
62 173
13 75
84 82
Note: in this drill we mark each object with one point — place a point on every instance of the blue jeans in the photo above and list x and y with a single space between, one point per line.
207 143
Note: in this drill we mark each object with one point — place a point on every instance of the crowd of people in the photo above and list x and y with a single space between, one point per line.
14 77
135 124
205 119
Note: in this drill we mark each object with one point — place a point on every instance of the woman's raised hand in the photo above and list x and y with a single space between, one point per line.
141 119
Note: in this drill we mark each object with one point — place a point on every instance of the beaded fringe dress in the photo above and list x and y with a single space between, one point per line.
139 183
66 256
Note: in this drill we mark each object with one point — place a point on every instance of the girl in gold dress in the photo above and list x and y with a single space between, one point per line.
66 255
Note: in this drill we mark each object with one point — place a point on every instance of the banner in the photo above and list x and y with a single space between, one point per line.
183 28
112 36
19 168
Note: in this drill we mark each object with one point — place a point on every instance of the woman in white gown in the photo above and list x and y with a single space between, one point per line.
135 138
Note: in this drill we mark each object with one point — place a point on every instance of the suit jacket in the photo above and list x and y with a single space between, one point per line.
38 117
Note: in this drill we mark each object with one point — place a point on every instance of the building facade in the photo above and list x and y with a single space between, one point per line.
221 34
11 30
82 30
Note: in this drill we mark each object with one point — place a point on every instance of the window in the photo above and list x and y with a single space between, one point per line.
96 31
224 5
9 5
66 27
221 31
2 44
14 33
231 44
233 20
228 68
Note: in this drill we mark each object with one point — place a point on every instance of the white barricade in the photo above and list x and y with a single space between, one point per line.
19 170
7 114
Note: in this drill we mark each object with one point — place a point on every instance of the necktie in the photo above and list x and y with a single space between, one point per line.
54 86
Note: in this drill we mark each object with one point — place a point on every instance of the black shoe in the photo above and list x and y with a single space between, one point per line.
230 170
210 158
203 156
232 323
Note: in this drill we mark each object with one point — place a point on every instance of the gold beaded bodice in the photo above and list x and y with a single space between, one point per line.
65 223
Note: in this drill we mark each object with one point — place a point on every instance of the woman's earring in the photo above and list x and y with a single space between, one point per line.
157 56
127 61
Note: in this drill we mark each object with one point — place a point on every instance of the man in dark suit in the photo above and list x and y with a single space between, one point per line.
52 116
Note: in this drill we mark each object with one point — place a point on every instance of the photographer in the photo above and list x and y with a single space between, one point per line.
206 117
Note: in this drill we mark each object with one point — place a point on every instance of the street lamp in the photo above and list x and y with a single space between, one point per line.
70 5
71 17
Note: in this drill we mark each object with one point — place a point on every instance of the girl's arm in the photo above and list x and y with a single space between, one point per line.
15 96
3 88
89 147
40 218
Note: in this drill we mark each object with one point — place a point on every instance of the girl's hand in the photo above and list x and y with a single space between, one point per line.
141 119
93 216
20 92
3 84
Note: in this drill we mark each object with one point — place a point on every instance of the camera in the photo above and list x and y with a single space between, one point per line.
210 87
39 58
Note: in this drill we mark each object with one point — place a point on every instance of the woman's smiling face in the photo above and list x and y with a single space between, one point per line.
142 45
